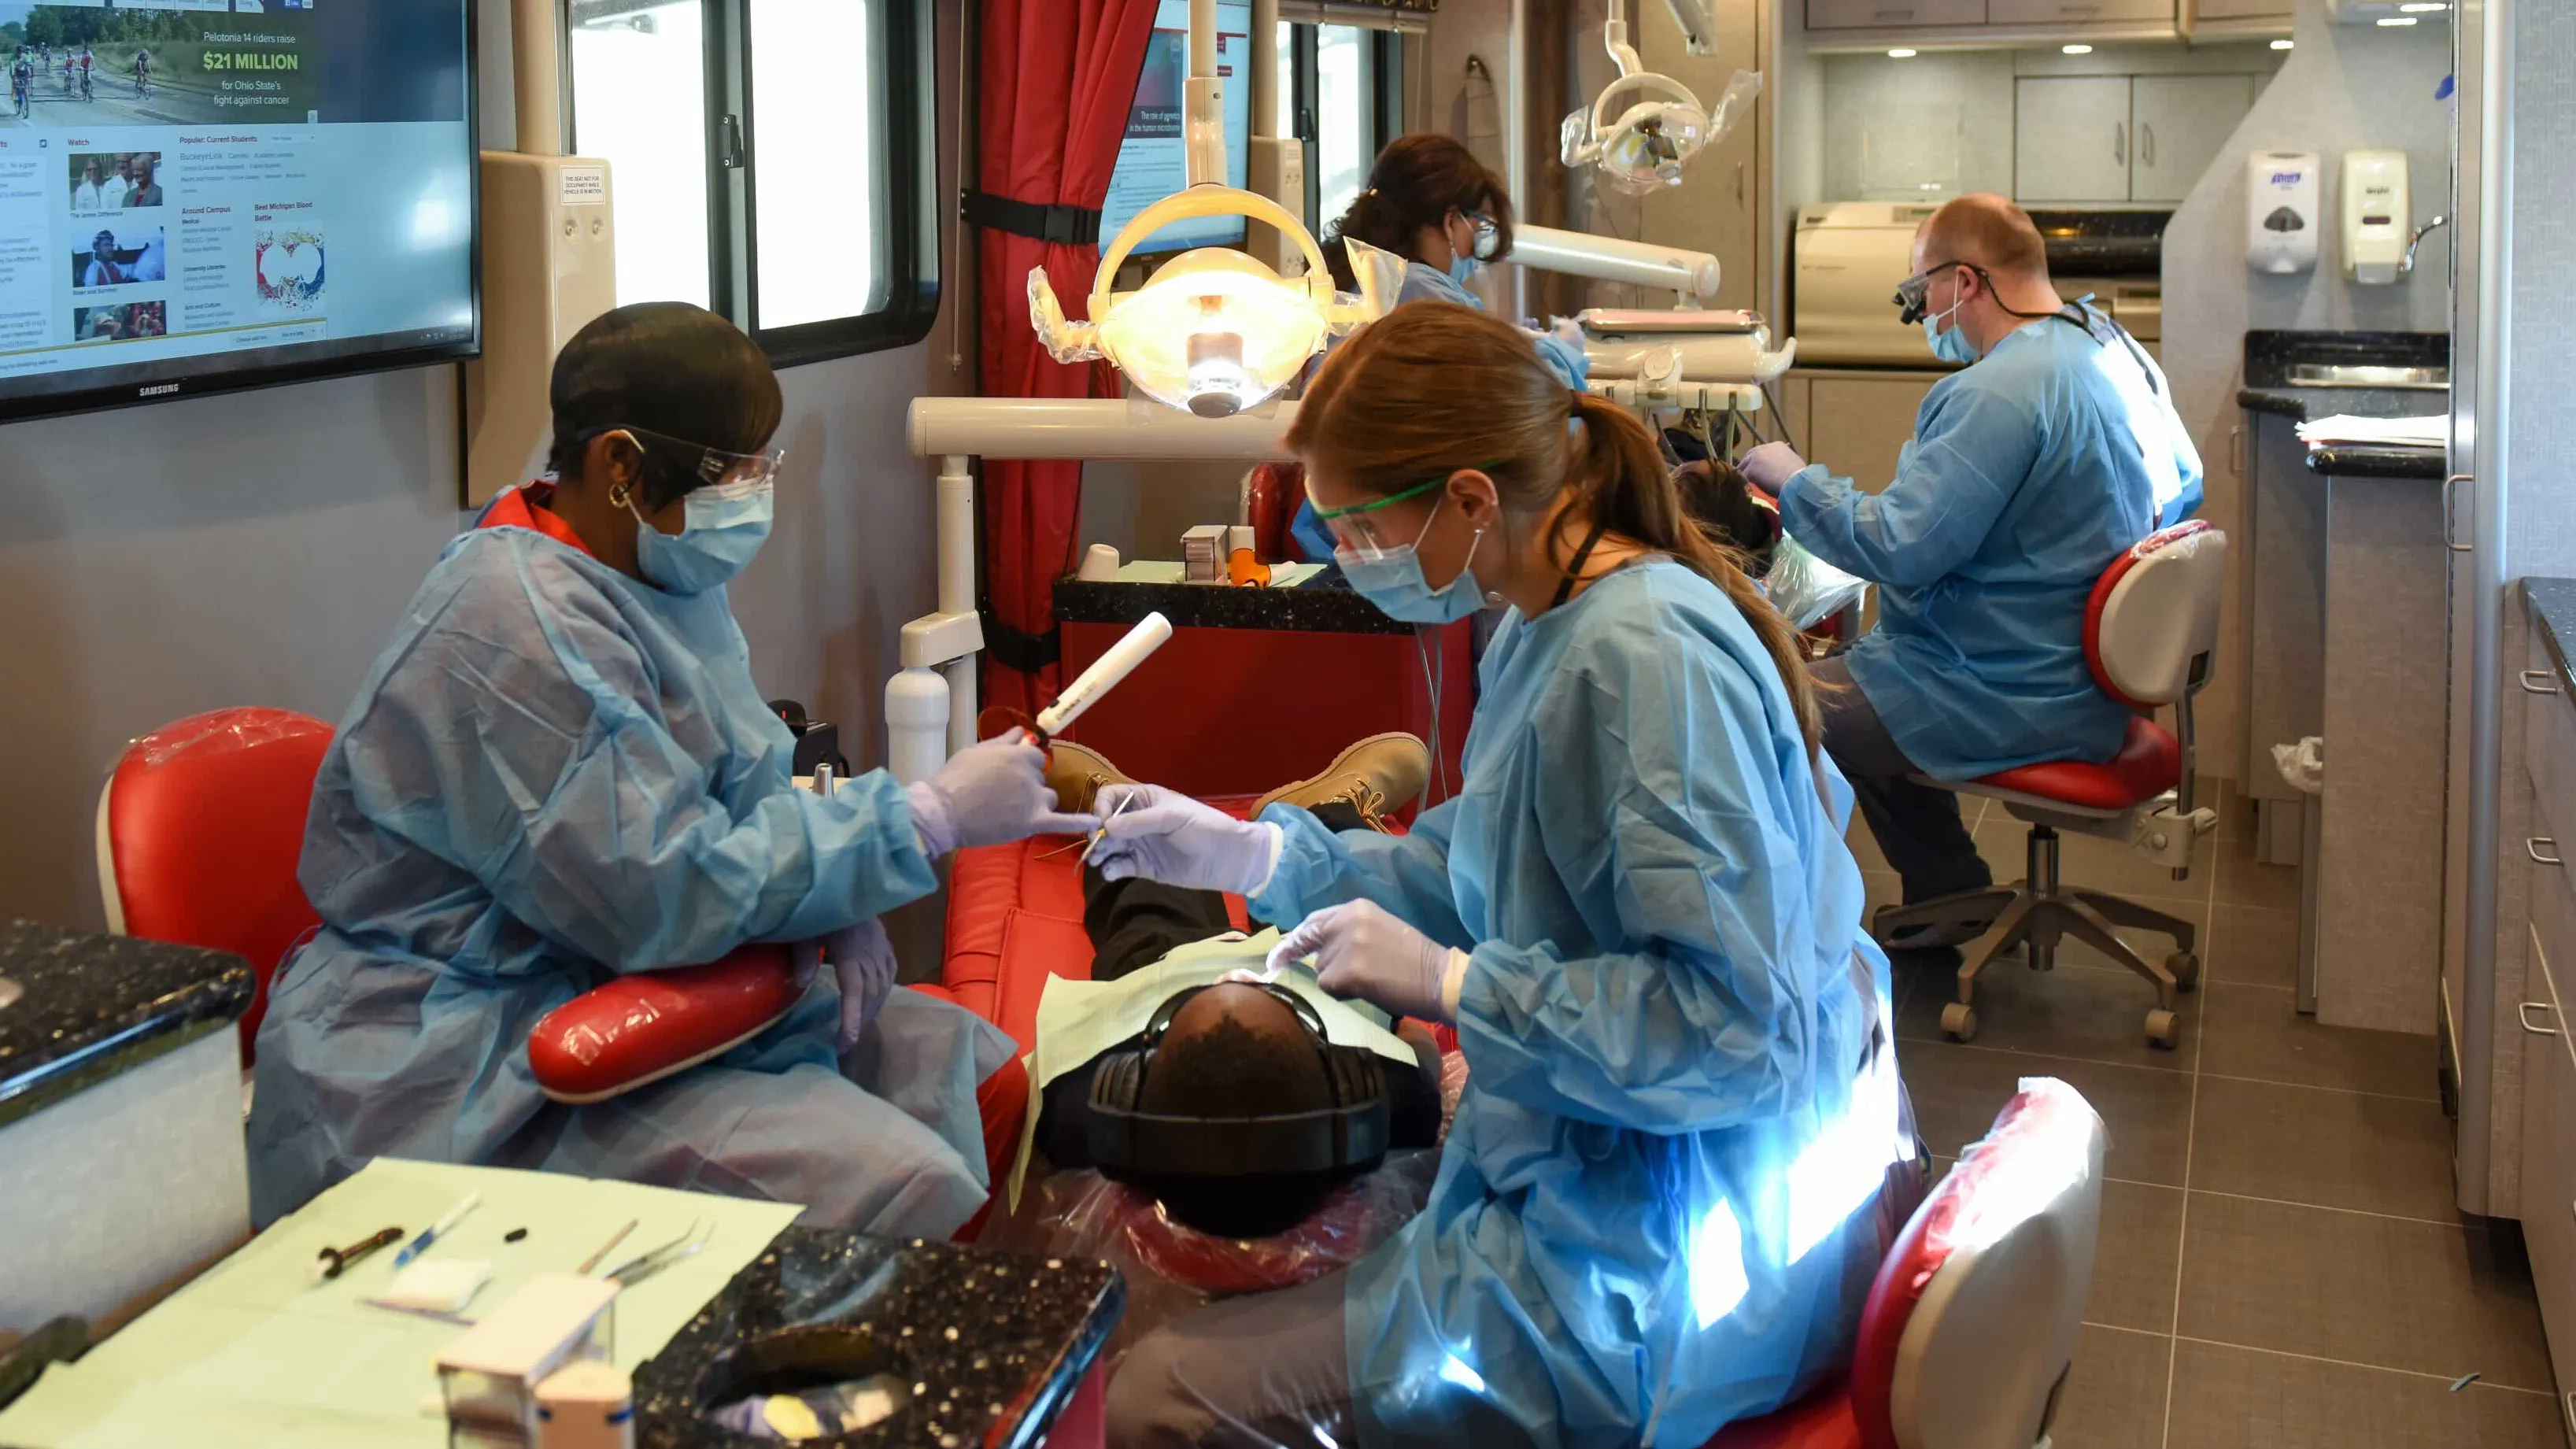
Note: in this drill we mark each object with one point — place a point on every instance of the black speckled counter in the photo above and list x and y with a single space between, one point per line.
2553 603
992 1345
89 1007
2269 355
1317 607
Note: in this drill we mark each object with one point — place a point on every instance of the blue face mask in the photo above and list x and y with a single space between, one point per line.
725 525
1462 270
1393 581
1953 345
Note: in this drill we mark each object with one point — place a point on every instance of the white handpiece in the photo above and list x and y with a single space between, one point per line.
1150 634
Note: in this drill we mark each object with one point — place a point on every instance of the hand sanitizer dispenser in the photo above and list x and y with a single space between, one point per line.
2281 222
2375 216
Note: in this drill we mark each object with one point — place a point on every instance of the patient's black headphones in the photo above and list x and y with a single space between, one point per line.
1348 1135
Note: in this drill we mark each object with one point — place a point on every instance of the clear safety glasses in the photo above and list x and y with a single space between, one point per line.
715 467
1488 237
1360 529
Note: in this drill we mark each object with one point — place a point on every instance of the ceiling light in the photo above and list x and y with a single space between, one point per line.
1900 53
2281 45
1214 331
2391 21
2423 7
2075 50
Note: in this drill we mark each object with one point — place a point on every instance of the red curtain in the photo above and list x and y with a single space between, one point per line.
1059 77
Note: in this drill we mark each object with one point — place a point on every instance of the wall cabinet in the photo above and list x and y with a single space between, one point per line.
2245 10
1862 14
2075 12
2079 139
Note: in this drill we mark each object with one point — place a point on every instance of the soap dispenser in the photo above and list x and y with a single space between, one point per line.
2375 216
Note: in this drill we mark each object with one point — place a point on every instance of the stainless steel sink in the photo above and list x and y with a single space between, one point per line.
2322 374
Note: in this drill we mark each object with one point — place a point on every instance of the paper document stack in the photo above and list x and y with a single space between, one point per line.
2429 432
1203 554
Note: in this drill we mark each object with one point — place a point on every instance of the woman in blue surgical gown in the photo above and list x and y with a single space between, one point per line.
1683 1144
560 770
1431 202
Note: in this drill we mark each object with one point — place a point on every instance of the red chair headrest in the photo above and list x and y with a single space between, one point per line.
1973 1317
200 832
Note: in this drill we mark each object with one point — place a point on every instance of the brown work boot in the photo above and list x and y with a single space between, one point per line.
1076 775
1379 773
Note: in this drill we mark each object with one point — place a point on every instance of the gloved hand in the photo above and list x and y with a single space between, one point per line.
1770 467
989 793
862 960
1361 950
1157 834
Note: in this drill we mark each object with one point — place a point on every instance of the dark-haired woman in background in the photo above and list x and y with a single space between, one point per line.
1431 202
560 771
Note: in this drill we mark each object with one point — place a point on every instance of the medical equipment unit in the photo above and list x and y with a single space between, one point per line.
2281 221
2375 224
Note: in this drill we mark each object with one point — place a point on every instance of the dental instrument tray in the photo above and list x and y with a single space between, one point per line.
1639 322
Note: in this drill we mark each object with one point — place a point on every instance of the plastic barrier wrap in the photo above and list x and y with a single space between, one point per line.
1806 589
1171 1268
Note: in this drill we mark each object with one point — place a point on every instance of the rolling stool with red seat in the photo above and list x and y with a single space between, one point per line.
1971 1324
2150 632
200 828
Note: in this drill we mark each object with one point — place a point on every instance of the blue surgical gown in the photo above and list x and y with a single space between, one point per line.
1647 1208
2028 473
553 774
1423 283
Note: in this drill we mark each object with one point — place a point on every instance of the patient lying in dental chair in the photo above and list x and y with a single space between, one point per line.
1213 1134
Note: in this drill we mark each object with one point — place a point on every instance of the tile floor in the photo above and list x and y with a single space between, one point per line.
2280 1266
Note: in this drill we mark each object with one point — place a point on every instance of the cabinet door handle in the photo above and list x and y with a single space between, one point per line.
2236 450
2539 681
2146 143
1739 183
1905 14
2450 486
2524 1010
2532 846
2077 9
2120 142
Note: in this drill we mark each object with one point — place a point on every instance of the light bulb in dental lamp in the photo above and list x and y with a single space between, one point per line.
1214 331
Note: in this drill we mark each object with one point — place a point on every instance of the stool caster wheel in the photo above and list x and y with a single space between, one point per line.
2185 966
2164 1029
1959 1021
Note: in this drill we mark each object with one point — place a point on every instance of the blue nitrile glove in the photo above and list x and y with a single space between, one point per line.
1769 468
1152 833
987 794
1361 950
862 960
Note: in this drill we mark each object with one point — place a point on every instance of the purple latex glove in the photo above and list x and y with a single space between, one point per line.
988 794
1361 950
1770 467
1152 833
862 960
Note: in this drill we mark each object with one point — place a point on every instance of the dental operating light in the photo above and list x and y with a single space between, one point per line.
1643 148
1214 331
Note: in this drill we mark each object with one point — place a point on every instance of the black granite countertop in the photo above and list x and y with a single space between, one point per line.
2268 358
2553 603
989 1345
88 1007
1316 607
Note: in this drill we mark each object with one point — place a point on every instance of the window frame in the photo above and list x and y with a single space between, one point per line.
1301 76
907 33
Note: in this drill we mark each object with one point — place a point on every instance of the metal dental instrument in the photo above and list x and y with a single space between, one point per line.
1092 843
614 1239
635 1270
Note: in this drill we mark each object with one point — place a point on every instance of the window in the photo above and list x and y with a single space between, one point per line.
771 159
1342 96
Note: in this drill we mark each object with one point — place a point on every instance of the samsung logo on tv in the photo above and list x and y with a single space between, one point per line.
158 389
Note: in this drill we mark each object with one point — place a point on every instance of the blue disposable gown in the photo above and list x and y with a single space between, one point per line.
1424 283
2028 473
556 773
1645 1208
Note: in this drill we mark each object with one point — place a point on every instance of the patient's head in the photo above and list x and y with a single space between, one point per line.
1717 498
1238 1051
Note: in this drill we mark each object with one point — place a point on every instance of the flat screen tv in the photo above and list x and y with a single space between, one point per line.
1153 158
204 195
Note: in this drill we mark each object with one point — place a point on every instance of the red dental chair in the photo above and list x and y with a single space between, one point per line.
1970 1329
200 827
2150 634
